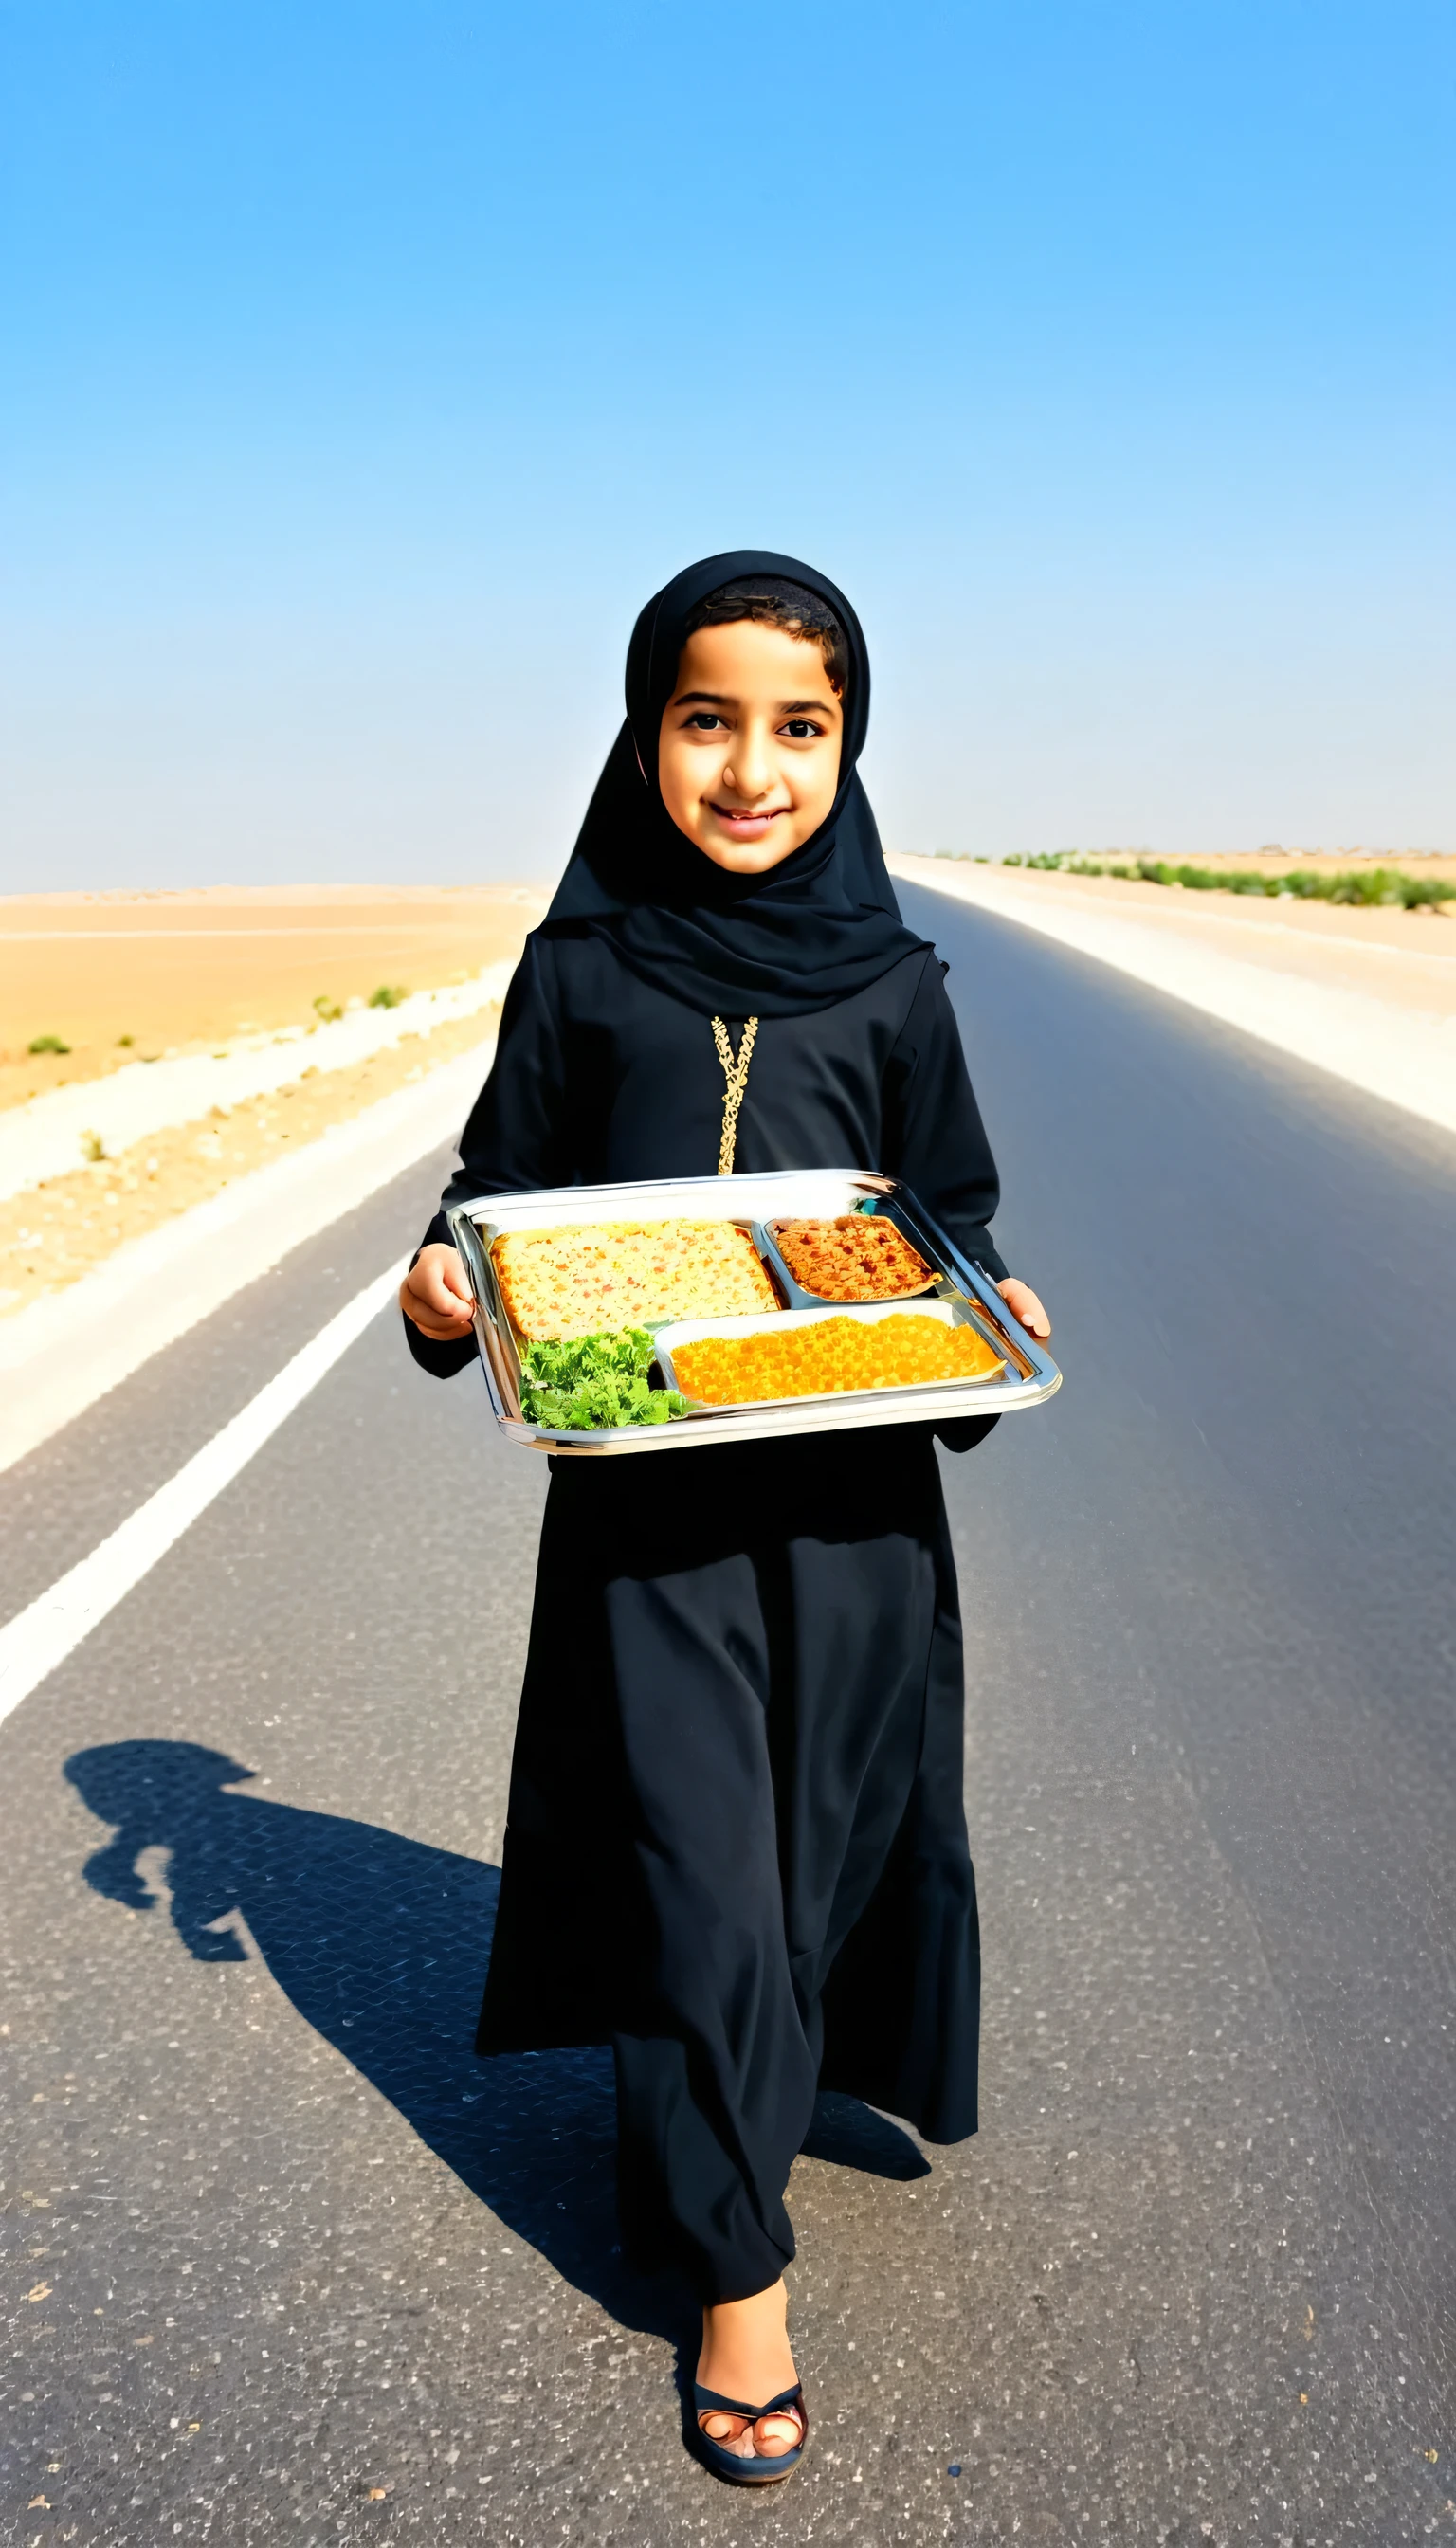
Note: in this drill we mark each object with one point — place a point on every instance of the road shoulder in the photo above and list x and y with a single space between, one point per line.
67 1350
1282 991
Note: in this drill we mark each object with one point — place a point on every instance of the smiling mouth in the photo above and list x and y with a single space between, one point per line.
746 820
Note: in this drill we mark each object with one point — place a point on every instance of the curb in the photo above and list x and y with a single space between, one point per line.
63 1352
1406 1057
44 1138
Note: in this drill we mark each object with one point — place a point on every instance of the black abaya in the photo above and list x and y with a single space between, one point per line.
736 1847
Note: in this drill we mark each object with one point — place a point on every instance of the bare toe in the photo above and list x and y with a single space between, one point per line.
777 2434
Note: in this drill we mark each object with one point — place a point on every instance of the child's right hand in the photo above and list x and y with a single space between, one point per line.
436 1295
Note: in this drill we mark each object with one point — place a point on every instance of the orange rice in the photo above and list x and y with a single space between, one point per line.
832 1355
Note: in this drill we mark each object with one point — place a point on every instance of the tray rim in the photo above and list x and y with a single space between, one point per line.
1030 1378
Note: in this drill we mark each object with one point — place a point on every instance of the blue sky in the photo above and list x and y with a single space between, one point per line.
364 369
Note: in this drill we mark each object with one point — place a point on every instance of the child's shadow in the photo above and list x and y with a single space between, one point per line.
380 1944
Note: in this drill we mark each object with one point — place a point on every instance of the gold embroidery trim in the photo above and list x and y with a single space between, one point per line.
735 1073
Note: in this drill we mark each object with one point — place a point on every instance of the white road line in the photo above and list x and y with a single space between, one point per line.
42 1636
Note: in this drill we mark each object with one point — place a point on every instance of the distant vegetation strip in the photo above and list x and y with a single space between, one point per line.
1389 887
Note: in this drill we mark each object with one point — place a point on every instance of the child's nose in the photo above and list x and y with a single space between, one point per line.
750 773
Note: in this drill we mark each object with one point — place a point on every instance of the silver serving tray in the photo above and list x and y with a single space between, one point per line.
1028 1378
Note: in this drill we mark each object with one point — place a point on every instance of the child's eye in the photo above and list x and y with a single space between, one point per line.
705 720
801 729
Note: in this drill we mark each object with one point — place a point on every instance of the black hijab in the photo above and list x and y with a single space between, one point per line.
820 925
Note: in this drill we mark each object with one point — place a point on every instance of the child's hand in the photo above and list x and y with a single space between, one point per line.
1023 1303
436 1295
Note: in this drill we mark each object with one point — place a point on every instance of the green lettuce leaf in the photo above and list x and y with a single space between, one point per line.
586 1384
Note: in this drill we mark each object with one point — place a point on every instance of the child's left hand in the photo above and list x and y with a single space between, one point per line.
1023 1303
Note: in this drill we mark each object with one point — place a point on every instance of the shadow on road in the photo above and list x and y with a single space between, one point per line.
380 1944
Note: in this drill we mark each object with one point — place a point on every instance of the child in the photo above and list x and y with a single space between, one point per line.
736 1847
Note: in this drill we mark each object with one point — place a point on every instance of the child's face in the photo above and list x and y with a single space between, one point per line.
747 758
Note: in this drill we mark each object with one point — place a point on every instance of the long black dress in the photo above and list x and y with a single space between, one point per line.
736 1847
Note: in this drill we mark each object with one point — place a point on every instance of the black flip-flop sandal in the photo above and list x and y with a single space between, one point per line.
758 2468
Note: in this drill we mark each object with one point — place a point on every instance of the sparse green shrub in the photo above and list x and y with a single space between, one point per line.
387 996
1387 885
92 1146
1365 888
48 1043
328 1008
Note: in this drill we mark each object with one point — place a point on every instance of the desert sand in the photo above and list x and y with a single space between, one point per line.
179 971
52 1235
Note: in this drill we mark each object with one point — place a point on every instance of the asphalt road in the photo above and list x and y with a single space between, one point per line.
285 2263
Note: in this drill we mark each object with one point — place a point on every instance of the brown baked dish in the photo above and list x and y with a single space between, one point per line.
860 1256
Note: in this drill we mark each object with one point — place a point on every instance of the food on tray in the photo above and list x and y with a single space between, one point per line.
817 1358
594 1383
616 1274
861 1256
